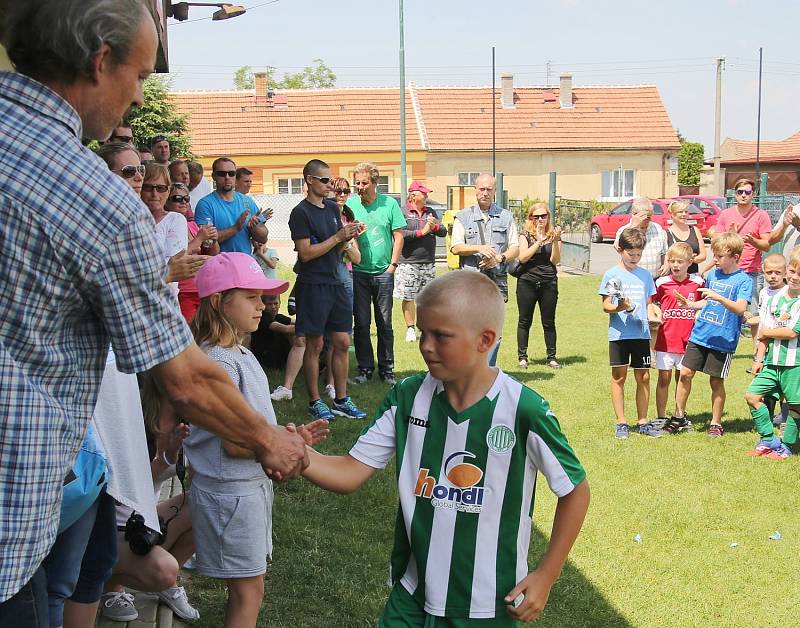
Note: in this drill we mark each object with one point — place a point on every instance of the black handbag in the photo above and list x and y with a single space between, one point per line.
516 269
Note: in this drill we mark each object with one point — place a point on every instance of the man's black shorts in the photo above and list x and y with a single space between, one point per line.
321 308
633 352
708 361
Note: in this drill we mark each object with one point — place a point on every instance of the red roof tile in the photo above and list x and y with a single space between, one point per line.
743 151
437 118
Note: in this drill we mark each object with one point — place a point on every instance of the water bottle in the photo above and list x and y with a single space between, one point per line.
205 247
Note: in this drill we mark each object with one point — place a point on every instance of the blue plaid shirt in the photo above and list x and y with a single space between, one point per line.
79 267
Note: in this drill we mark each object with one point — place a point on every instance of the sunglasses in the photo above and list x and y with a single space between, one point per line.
323 180
149 187
125 139
179 199
539 216
342 191
225 173
745 192
128 172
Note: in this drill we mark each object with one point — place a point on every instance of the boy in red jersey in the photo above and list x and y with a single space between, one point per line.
676 324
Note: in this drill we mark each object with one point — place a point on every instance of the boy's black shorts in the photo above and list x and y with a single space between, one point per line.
708 361
633 352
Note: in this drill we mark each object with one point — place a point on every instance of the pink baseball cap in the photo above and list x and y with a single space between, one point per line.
417 186
235 270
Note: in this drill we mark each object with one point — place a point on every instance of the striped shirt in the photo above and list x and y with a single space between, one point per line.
782 311
466 482
79 267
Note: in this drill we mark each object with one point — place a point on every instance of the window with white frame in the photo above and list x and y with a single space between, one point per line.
467 178
617 184
290 186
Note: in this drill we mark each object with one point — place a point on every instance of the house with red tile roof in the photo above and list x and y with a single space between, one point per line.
779 159
604 142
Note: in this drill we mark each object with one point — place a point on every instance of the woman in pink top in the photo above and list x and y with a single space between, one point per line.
178 201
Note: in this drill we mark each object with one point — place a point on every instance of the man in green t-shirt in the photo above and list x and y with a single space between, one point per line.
381 242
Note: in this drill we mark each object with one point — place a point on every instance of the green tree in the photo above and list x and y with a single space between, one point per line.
690 162
158 116
315 75
243 78
312 76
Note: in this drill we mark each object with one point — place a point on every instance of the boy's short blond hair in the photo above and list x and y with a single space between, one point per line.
774 258
469 296
794 258
727 243
680 250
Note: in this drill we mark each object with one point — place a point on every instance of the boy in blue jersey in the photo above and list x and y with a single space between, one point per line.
626 290
469 441
715 334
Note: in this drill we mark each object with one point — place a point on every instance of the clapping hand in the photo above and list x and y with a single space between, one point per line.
312 433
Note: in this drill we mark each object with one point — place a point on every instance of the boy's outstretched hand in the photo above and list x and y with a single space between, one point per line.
312 433
535 588
685 302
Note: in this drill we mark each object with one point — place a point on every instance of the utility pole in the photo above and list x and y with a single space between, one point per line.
758 127
717 122
494 121
403 173
547 70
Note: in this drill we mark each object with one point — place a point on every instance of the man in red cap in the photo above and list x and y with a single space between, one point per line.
417 264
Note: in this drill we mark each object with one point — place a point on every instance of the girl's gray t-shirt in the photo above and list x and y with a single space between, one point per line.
214 470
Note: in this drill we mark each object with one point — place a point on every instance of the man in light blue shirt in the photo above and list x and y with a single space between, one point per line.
234 215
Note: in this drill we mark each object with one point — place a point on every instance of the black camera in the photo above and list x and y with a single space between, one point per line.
140 538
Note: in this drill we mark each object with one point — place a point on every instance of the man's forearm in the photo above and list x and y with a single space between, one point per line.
312 251
465 249
202 393
397 245
227 234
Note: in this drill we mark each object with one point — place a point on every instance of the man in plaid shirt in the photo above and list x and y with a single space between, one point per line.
79 268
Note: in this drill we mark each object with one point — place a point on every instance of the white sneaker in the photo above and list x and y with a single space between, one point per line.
411 334
118 606
175 598
281 394
330 390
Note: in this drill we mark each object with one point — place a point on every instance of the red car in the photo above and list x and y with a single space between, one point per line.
604 226
711 206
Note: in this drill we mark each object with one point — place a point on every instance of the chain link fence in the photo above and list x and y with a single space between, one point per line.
282 205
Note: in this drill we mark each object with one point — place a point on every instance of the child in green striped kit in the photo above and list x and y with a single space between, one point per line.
469 441
777 365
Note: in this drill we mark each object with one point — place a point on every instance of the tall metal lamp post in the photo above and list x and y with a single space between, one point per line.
403 172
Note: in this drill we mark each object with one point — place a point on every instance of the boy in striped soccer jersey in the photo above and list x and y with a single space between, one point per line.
469 441
777 365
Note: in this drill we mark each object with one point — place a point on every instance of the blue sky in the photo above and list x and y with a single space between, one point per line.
670 44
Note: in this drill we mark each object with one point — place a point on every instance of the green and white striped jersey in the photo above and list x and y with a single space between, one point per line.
466 484
782 311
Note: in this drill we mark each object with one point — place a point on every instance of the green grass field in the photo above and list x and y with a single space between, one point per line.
689 497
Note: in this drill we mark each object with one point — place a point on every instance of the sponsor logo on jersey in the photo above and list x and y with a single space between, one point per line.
678 313
460 491
412 420
500 439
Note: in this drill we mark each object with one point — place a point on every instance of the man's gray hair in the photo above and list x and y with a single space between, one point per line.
54 41
641 204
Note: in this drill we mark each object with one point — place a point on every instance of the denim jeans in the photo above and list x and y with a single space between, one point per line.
368 291
28 607
82 558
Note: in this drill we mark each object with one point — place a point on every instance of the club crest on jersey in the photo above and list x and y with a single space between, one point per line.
460 491
500 439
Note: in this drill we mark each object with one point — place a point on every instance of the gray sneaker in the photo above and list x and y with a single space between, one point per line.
648 429
175 598
118 606
363 377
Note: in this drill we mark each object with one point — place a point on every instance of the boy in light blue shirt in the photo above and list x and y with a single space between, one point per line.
626 290
715 334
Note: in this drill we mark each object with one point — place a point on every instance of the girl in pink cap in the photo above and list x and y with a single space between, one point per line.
231 497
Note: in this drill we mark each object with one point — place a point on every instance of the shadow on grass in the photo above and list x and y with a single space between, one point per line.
574 600
702 421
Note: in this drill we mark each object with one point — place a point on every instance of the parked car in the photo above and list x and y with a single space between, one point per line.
605 226
711 206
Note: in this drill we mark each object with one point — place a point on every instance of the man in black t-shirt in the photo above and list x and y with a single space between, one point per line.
323 304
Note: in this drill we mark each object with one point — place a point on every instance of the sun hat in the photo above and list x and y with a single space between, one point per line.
417 186
235 270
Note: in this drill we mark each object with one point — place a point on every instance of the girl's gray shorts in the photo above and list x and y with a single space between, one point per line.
232 533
